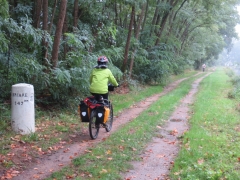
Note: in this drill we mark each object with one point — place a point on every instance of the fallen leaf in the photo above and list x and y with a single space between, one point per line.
200 161
103 171
69 176
134 149
108 152
160 155
73 136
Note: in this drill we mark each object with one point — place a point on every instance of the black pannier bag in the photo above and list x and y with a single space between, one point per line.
100 114
84 111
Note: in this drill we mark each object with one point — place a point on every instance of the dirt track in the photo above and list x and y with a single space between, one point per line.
160 152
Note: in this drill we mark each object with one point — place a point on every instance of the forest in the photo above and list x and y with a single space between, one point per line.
54 45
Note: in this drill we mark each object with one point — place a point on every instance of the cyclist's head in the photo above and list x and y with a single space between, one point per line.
102 61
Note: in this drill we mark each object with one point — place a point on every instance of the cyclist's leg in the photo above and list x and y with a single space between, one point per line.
98 96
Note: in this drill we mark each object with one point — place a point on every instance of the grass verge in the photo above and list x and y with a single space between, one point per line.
108 159
54 127
211 149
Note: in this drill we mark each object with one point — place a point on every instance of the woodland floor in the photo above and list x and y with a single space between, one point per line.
157 159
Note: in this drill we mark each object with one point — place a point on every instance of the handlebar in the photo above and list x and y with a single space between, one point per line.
111 87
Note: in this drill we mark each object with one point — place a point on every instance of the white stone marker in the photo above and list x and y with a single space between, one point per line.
22 108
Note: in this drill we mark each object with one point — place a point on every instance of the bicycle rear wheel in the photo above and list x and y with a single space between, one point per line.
93 126
110 119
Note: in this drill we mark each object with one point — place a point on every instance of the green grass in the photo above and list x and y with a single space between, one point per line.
108 159
211 148
123 101
55 126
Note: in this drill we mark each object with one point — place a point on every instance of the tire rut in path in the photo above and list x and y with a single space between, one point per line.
47 164
159 155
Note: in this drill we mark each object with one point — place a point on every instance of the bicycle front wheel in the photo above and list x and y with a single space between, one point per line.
93 126
110 120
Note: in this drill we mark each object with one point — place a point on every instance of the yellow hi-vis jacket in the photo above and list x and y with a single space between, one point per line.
99 80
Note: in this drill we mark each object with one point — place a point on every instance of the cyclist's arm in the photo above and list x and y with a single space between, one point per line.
112 79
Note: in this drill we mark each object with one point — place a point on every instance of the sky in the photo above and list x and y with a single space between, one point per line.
238 26
238 30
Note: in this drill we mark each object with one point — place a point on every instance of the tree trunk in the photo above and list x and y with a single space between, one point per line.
75 18
124 66
164 21
162 25
145 16
65 30
155 17
54 9
37 10
116 13
58 32
174 18
120 19
136 36
45 28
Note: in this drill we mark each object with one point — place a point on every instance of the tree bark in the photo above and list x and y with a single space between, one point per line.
37 10
136 36
45 28
162 25
65 30
155 17
174 18
164 21
54 9
75 18
145 16
116 13
58 32
124 66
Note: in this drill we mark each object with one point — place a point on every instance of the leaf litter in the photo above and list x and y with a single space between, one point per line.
156 161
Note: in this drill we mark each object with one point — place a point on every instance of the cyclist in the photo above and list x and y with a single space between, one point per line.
100 77
203 67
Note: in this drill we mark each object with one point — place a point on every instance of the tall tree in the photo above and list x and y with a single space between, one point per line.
75 14
45 28
124 66
172 4
37 13
58 33
136 36
52 17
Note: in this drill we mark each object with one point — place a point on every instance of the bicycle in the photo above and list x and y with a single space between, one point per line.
98 113
94 124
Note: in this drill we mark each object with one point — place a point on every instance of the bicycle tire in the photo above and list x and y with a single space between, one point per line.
110 119
93 129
